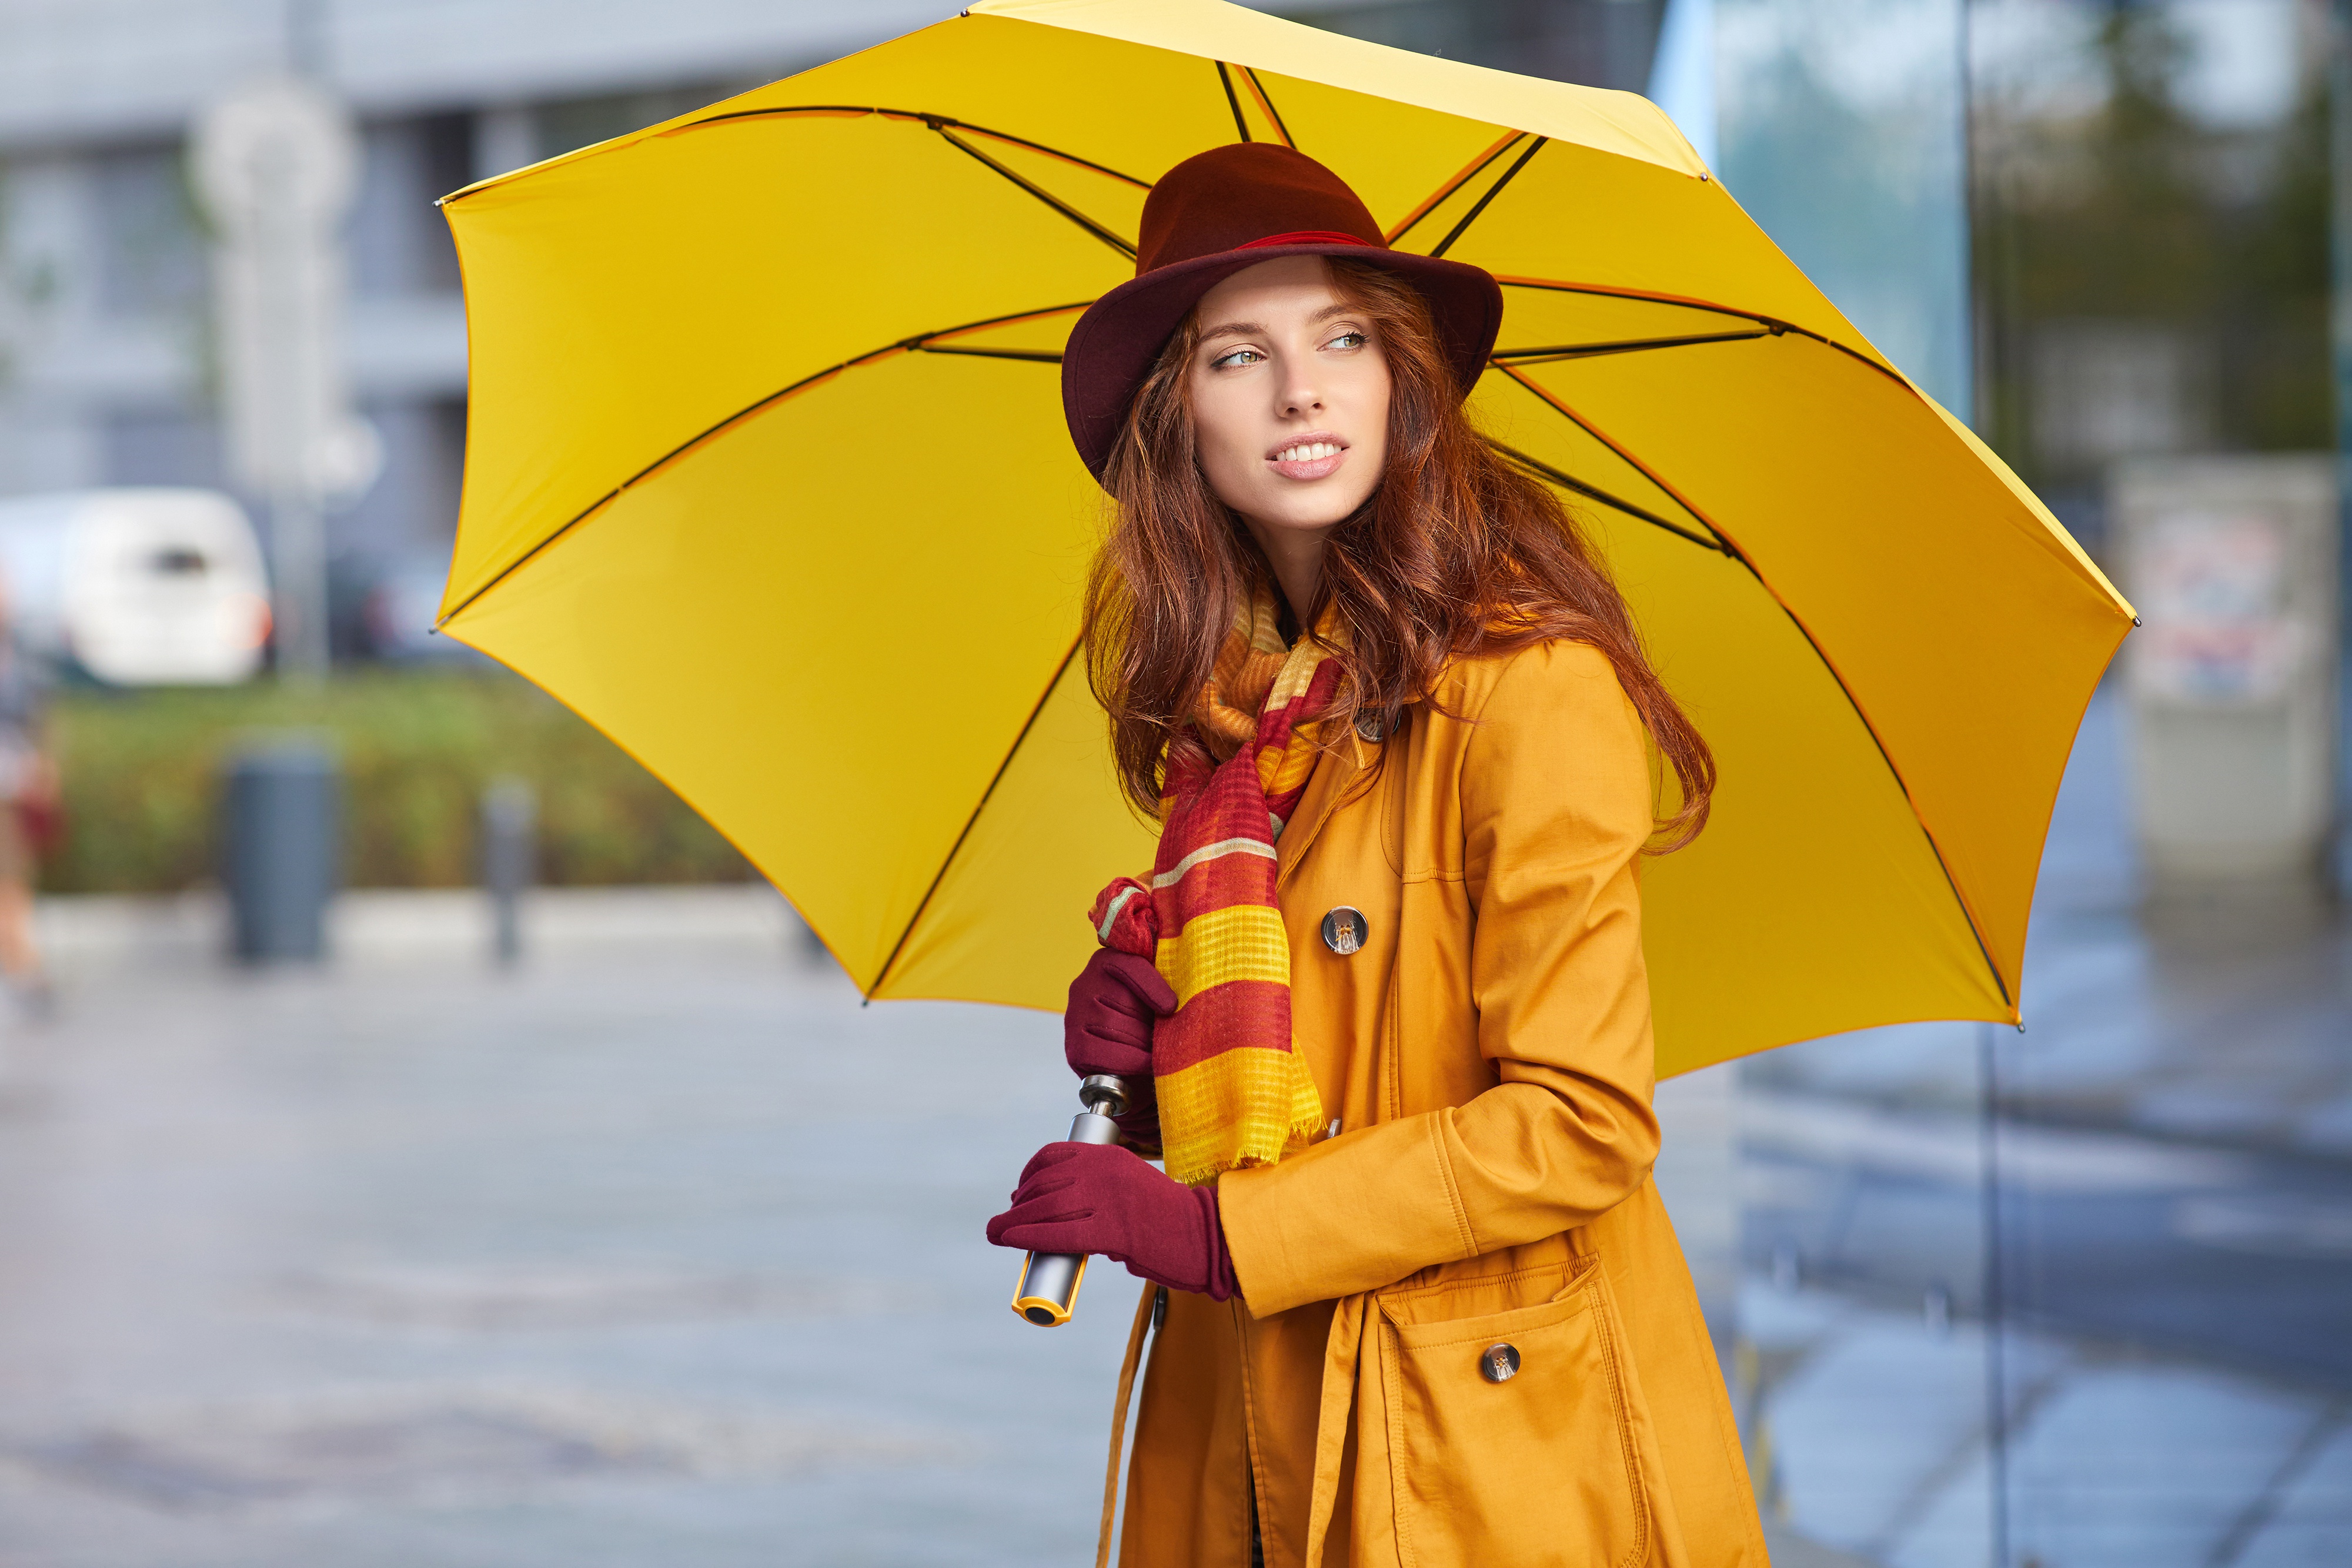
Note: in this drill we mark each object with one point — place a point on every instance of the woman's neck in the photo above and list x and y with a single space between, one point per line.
1296 557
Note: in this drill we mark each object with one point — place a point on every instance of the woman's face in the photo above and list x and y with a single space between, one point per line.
1290 399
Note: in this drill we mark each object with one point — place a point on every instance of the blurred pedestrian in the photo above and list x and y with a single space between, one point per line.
29 803
1421 1303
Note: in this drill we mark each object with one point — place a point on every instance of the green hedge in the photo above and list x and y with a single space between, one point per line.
141 774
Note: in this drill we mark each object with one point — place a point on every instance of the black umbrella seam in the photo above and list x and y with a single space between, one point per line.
1773 325
1446 192
1968 913
924 342
1492 191
1124 247
1619 345
1233 101
786 111
1566 481
1266 101
979 809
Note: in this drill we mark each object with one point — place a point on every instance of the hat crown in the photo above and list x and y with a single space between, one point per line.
1238 194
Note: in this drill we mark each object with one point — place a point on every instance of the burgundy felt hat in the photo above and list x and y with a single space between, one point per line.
1209 217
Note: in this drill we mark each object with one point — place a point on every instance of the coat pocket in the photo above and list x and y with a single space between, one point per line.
1512 1434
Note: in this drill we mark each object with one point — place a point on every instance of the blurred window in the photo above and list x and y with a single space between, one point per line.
151 240
399 243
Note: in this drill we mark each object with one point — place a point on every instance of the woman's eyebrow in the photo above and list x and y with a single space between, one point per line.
1257 329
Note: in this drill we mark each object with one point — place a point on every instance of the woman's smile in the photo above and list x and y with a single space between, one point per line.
1315 455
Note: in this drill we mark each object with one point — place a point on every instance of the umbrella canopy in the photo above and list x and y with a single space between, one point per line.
767 477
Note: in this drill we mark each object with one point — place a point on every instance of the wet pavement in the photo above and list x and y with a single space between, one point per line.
661 1249
2152 1355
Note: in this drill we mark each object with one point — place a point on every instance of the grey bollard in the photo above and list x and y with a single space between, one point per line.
281 847
510 860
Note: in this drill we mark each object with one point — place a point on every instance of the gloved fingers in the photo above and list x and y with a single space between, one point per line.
1028 1216
1144 982
1094 1051
1046 1158
1089 1235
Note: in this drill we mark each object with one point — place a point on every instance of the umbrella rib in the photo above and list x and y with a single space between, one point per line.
1772 324
1034 356
1622 345
922 342
1492 191
840 111
1225 77
1059 205
1265 102
1543 470
972 821
1967 913
1723 541
1470 171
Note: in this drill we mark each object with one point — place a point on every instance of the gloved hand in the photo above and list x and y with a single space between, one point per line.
1097 1197
1114 1003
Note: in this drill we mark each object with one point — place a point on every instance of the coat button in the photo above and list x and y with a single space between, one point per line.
1371 726
1499 1362
1345 929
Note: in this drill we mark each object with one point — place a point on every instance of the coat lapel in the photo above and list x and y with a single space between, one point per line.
1333 771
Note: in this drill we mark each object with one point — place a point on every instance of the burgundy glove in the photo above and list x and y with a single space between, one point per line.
1097 1198
1114 1003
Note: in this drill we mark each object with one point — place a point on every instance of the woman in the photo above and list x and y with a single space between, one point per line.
1422 1305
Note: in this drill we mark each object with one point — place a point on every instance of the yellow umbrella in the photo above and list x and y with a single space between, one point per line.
768 478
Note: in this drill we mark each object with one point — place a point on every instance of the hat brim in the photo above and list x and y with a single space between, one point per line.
1113 346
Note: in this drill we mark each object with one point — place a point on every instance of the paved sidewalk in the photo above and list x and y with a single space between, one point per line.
660 1250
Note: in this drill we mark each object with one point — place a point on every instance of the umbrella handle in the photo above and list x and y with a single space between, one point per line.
1048 1290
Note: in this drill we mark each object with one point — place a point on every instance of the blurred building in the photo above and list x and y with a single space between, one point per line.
106 360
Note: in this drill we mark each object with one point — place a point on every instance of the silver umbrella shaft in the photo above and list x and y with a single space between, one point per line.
1048 1290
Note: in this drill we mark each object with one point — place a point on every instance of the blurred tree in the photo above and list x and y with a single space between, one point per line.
2148 279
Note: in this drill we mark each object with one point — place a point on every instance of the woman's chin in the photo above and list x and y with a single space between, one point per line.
1305 510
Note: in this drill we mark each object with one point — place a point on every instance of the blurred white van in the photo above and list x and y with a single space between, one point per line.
141 587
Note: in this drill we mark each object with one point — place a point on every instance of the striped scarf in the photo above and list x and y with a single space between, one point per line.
1232 1091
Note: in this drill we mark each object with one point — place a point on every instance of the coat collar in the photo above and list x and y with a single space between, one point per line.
1335 771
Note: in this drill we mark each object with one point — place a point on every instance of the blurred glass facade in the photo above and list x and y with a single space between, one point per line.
2072 1296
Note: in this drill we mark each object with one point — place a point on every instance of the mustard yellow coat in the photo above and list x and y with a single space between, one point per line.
1487 1055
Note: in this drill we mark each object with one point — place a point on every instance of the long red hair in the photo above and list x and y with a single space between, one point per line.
1457 553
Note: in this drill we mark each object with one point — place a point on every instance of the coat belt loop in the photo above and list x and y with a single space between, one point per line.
1341 1351
1143 1304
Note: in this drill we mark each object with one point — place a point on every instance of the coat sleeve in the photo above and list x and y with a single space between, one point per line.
1555 806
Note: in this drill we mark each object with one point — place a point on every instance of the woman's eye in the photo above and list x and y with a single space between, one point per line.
1238 357
1348 340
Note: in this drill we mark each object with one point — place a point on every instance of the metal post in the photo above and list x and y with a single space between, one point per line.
2339 277
276 164
509 861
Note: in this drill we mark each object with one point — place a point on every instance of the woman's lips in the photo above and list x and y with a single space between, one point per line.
1315 455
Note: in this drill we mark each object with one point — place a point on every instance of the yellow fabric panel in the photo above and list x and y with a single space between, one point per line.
1966 644
2053 533
786 637
1813 902
1503 406
1548 318
1239 942
1691 241
1619 122
1008 922
1395 156
582 374
1139 111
